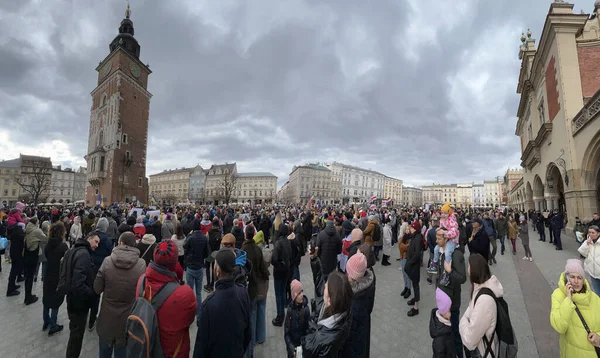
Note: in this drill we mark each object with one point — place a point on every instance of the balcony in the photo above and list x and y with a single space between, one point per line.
95 178
531 154
587 114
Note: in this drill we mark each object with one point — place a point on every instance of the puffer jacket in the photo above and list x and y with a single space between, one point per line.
296 325
282 258
117 279
440 331
387 239
239 236
330 245
34 237
358 343
592 258
370 232
167 229
258 283
480 319
326 337
564 319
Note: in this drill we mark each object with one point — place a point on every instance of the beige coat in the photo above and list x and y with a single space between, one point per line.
117 279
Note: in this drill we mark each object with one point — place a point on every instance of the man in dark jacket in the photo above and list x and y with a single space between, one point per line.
16 235
196 251
329 245
103 250
187 223
156 229
557 225
479 241
501 230
113 229
306 220
540 225
413 265
81 295
458 276
228 222
224 328
490 230
281 261
265 227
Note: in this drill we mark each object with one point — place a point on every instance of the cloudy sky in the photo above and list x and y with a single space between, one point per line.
422 90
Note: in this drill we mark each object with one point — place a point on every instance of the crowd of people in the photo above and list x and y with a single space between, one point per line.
121 258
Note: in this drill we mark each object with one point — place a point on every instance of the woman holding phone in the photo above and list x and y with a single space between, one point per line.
574 314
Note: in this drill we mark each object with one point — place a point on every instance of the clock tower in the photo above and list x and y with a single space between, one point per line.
118 136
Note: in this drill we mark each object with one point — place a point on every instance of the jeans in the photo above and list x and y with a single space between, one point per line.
454 321
77 322
557 241
30 261
106 351
37 270
494 247
595 283
407 281
450 246
502 238
258 324
280 296
15 271
194 279
50 317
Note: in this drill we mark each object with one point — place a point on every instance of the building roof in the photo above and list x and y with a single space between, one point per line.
34 158
255 174
229 166
173 171
357 168
13 163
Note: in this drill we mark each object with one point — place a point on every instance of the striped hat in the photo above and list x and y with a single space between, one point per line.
166 255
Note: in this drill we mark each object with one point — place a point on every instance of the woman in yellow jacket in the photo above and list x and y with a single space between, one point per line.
574 291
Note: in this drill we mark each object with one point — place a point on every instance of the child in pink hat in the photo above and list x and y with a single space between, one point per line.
440 328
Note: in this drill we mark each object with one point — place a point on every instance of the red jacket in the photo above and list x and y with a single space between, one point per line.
175 316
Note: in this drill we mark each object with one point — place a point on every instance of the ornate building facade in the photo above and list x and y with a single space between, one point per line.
118 135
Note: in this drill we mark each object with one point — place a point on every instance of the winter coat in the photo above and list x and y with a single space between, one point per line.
113 229
157 231
296 250
330 245
524 233
54 251
177 313
238 232
34 237
458 276
440 329
369 232
557 222
224 327
387 239
205 226
168 229
15 216
296 323
258 284
565 321
179 243
326 336
403 246
196 250
592 258
413 258
188 225
81 295
281 258
124 227
513 230
139 230
116 281
103 250
75 233
501 227
227 223
480 318
16 235
146 248
480 244
358 342
88 225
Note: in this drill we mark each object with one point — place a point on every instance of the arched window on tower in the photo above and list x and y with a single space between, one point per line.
104 100
101 138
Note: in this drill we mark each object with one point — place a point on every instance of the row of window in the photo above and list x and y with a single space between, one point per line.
14 192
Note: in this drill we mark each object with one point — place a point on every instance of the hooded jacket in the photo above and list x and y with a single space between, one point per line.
54 252
76 233
116 279
329 244
565 321
14 216
480 318
238 232
139 230
592 258
370 232
358 342
242 269
440 329
105 245
205 226
113 229
282 256
196 250
34 237
258 283
81 293
295 326
327 336
168 229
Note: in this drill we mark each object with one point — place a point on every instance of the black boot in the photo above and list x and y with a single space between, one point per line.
384 261
278 321
407 294
404 291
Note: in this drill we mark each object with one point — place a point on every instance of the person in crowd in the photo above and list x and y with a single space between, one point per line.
178 312
139 229
501 230
330 325
296 257
16 237
329 245
224 314
281 261
479 319
103 250
157 229
387 242
34 238
457 272
127 225
179 239
113 227
238 232
524 235
116 281
146 247
490 230
362 282
403 230
258 286
440 328
356 237
403 244
431 238
573 298
590 249
168 227
80 295
214 241
479 240
205 224
513 231
297 319
75 233
51 299
540 225
196 251
228 222
449 228
558 223
371 231
187 224
88 224
347 228
265 226
413 265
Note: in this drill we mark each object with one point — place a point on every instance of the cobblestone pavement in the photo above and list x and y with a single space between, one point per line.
393 333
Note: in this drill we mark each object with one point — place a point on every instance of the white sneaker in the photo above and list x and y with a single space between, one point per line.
525 258
531 259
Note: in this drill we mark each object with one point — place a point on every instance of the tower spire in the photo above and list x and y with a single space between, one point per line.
127 11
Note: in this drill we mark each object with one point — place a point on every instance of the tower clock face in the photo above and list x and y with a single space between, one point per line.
135 70
106 69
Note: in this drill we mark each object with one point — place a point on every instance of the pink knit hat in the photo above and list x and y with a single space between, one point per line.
296 288
574 266
356 266
19 205
443 301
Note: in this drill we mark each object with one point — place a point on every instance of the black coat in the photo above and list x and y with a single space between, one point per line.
16 235
443 339
54 251
196 250
358 343
296 325
480 244
413 258
224 328
330 245
214 238
238 232
322 341
458 276
282 258
227 223
157 231
81 294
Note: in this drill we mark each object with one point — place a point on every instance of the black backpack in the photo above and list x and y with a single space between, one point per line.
507 341
66 271
377 233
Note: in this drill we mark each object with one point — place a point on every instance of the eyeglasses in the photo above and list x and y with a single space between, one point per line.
228 245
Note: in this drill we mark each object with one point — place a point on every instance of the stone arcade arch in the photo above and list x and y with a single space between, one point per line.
590 178
555 190
529 204
538 194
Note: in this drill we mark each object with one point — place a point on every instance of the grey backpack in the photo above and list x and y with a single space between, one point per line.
143 339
